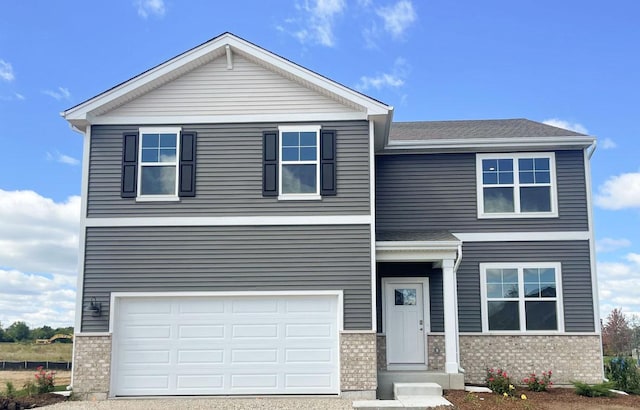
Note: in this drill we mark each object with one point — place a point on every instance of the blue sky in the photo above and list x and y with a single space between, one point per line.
570 63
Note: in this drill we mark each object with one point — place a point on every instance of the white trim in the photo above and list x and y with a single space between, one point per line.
176 163
338 293
592 249
233 220
358 332
522 236
281 162
417 251
557 266
426 313
372 206
226 119
517 185
490 144
86 149
92 334
451 342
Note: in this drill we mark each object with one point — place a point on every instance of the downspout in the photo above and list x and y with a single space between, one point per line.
456 265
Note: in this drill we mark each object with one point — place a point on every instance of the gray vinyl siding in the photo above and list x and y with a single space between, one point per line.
415 270
438 191
574 257
253 258
229 175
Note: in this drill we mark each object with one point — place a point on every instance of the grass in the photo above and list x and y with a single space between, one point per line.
55 352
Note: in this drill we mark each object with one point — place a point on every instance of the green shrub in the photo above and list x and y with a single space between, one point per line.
538 383
499 382
593 390
45 380
624 373
10 391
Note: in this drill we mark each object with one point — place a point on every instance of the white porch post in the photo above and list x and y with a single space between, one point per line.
450 318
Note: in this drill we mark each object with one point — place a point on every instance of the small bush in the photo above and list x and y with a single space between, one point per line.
10 392
537 383
499 382
593 390
45 380
624 373
30 388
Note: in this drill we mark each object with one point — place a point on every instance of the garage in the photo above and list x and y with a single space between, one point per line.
232 344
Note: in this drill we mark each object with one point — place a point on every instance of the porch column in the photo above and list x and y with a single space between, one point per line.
450 318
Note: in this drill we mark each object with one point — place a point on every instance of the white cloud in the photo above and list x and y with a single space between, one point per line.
60 94
393 79
38 258
150 7
62 158
618 285
610 244
398 18
619 192
6 71
19 96
317 21
572 126
608 143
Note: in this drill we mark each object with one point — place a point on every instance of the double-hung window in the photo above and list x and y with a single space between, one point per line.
516 185
158 165
299 162
521 297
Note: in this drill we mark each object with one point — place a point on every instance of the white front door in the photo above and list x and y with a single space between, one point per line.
405 320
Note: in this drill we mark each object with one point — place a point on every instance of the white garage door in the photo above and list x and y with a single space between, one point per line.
226 345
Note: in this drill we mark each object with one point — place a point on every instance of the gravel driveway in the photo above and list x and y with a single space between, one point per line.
230 403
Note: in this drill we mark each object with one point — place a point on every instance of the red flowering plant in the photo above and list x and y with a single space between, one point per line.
538 383
45 380
498 381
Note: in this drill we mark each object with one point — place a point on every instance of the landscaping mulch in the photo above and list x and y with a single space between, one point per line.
31 402
554 399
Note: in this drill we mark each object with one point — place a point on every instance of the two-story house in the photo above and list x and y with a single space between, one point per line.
252 227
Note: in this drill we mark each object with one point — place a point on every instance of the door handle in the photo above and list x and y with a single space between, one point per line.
420 322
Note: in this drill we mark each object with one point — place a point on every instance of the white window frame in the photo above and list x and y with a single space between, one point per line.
159 130
521 298
516 186
299 128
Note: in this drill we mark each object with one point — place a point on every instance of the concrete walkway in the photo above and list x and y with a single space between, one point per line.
224 403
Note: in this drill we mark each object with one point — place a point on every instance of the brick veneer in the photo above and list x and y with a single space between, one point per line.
569 357
358 370
91 366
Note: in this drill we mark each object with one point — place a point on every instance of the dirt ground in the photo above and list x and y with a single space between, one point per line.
555 399
19 377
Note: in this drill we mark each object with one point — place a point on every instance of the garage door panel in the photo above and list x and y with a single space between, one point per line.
226 345
201 331
200 357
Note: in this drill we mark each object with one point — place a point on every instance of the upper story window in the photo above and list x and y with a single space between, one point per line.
521 297
516 185
158 164
299 162
158 174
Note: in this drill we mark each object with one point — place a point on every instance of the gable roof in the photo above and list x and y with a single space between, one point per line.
227 43
482 134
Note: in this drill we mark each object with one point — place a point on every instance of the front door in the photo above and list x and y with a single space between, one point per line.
405 324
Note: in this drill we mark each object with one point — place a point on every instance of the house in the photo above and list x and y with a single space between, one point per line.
252 227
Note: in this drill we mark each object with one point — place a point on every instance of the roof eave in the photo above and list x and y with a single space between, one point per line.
490 144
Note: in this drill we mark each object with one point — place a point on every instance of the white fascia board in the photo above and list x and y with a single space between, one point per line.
207 52
491 144
233 221
418 245
522 236
226 119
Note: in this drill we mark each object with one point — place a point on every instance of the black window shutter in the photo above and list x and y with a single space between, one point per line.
270 163
187 174
328 163
129 165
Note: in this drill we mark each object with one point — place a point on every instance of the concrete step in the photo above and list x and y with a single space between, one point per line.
416 389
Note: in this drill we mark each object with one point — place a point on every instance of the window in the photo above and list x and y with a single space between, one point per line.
158 164
158 173
299 162
522 297
516 185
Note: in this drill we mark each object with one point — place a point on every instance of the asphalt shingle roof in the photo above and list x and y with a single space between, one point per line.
510 128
